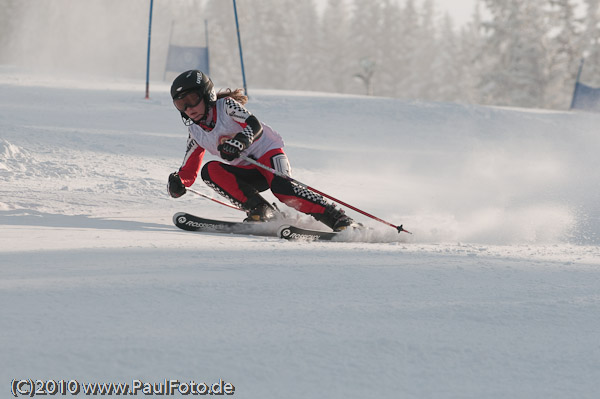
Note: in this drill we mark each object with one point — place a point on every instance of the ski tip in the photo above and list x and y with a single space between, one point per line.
401 229
177 215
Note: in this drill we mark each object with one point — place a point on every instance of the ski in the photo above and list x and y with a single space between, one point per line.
298 233
189 222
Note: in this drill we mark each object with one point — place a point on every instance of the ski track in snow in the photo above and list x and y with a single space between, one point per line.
495 295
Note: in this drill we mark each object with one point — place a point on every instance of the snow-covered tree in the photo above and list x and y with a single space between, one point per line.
367 50
409 44
9 21
515 52
334 46
564 52
223 46
425 53
269 40
470 57
304 36
591 43
446 68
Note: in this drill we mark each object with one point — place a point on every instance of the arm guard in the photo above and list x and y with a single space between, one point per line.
252 129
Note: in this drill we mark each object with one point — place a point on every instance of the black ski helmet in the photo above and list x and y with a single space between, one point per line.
194 80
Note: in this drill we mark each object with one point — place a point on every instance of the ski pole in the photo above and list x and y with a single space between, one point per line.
292 180
214 200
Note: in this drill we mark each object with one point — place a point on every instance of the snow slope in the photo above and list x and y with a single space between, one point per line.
495 295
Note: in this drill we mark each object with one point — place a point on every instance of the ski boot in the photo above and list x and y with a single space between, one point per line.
259 210
335 218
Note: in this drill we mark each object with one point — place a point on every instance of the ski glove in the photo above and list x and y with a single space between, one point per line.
175 186
231 148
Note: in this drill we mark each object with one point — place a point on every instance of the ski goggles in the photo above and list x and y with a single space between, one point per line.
187 100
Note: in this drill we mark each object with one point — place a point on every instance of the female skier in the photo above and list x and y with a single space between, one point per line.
220 124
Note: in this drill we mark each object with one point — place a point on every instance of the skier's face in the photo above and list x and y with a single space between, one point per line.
198 112
192 104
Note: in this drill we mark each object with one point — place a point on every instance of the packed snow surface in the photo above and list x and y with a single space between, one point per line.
495 295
